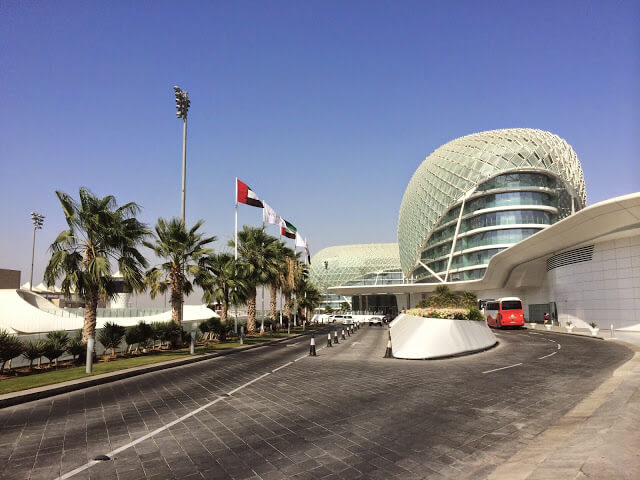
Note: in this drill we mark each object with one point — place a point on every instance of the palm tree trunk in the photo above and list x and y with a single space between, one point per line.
223 313
90 314
251 311
176 306
287 306
272 301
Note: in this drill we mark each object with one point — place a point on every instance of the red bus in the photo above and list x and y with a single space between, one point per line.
504 312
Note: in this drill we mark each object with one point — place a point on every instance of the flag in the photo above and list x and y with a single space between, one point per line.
300 241
287 233
269 215
306 249
287 229
246 195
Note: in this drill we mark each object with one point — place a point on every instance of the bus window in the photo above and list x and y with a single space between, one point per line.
511 305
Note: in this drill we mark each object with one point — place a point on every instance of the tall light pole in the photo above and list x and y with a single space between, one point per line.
38 220
182 106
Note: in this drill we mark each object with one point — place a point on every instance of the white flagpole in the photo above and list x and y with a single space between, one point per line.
235 320
281 305
295 300
262 323
236 229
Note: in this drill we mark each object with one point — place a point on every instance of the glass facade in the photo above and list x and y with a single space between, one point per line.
503 193
502 170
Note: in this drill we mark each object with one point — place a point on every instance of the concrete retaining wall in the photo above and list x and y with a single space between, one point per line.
422 338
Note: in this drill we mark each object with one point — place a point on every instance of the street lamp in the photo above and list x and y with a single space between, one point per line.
182 106
38 220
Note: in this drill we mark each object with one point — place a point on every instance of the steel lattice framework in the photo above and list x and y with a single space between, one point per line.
458 166
349 262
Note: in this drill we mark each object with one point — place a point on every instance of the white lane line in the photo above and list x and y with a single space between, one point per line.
170 424
502 368
141 439
540 358
552 340
533 333
292 344
281 366
248 383
354 344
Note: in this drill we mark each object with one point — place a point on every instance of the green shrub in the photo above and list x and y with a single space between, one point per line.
10 348
443 297
593 325
76 347
110 336
132 336
55 345
33 350
476 314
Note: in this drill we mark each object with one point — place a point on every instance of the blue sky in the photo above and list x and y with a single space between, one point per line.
324 108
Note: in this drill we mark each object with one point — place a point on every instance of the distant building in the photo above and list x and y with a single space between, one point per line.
9 278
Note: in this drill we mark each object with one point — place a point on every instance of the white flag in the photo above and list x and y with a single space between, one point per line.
300 242
269 215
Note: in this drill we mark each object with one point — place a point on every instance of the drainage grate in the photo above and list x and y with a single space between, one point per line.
577 255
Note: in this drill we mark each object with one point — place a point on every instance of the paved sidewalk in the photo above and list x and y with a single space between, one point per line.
599 438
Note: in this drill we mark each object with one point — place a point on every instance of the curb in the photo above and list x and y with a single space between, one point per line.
577 334
38 393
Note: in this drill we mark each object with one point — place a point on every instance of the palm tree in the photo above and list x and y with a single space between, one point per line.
99 232
309 296
181 250
257 251
289 278
222 282
275 282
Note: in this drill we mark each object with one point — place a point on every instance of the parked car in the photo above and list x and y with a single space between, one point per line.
344 319
375 321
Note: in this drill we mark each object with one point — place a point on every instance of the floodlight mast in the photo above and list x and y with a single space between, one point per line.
182 106
38 221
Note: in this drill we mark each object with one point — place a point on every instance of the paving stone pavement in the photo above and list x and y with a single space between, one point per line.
347 413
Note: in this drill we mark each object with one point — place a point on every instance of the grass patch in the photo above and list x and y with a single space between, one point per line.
58 376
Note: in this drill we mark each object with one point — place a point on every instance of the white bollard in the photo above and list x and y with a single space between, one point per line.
192 347
90 345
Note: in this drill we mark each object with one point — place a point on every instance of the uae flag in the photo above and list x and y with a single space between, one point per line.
246 195
287 229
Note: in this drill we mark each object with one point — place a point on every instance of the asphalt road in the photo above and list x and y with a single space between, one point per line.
274 412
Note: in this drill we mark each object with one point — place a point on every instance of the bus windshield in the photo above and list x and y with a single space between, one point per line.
511 305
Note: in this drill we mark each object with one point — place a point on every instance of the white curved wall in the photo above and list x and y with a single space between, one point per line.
422 338
25 312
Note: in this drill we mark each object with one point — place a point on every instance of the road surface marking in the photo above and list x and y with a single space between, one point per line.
291 344
300 358
248 383
540 358
354 344
141 439
559 346
282 366
502 368
532 333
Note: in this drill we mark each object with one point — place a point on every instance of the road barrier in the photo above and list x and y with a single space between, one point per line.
388 352
335 337
329 339
342 334
312 346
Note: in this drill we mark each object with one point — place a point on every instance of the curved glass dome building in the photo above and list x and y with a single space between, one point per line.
479 194
351 265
